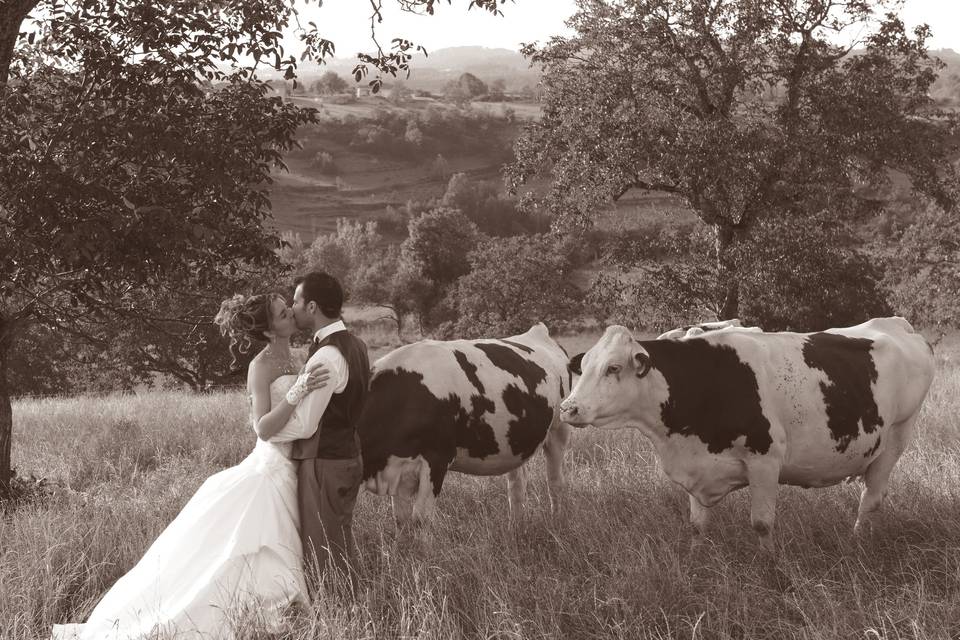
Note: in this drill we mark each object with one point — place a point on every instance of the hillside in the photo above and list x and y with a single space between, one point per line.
369 169
368 178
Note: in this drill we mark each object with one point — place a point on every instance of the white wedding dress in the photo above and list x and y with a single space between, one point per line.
235 547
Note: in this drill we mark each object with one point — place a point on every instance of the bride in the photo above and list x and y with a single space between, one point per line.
234 549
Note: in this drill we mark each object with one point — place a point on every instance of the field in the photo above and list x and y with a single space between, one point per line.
308 202
617 563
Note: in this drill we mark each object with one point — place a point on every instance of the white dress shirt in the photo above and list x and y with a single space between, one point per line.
313 406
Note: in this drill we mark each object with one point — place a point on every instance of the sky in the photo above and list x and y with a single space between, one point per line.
347 23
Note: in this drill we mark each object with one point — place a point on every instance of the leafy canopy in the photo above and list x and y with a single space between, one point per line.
739 106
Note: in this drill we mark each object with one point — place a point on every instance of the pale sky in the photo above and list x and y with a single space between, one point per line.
347 23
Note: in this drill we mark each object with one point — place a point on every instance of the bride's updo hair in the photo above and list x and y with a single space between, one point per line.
245 319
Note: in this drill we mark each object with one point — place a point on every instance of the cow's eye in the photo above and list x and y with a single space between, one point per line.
613 370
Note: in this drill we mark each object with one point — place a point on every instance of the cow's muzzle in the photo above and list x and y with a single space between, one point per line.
571 413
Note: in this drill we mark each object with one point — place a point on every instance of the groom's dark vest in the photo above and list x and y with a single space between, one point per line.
337 438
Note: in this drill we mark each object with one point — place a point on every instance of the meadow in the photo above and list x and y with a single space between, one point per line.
616 563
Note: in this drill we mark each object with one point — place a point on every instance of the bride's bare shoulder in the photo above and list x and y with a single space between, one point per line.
258 371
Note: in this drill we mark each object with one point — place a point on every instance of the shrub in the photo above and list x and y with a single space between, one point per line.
924 274
514 283
804 276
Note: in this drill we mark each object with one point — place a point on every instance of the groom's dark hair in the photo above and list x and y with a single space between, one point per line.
323 289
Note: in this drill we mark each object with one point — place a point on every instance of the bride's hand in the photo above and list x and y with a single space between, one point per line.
317 378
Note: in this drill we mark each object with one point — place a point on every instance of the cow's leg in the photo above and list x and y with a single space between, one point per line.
875 479
699 518
553 449
516 490
764 478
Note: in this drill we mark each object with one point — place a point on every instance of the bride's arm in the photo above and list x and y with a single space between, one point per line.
267 420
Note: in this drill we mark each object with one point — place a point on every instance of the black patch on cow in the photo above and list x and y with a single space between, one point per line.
532 411
872 450
402 417
470 369
516 345
850 369
513 363
713 394
573 366
534 416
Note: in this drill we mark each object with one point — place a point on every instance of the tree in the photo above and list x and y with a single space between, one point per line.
514 283
493 213
432 257
924 271
803 277
399 93
742 108
329 83
471 85
170 330
131 159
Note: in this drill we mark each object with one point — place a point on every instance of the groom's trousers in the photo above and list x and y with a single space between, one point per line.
327 495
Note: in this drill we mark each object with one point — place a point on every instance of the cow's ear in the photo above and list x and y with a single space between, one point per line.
574 365
642 360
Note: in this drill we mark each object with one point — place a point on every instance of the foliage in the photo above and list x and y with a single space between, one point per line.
329 83
359 256
493 212
464 88
135 149
514 283
47 362
807 277
655 280
924 271
421 134
742 108
432 257
795 276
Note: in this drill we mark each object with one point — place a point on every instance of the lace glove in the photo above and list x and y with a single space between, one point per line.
297 392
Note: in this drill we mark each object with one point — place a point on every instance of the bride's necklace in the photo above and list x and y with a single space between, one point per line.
286 364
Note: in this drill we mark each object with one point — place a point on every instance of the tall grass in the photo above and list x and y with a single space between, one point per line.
617 563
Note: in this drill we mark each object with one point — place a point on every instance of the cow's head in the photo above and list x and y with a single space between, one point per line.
612 381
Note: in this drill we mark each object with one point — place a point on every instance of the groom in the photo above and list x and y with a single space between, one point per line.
330 467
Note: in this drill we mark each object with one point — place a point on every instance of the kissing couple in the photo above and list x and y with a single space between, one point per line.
257 537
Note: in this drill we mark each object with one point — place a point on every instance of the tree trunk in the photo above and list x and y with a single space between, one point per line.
12 14
729 304
6 410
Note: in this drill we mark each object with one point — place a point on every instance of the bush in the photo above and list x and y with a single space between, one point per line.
432 257
803 276
924 274
794 275
514 283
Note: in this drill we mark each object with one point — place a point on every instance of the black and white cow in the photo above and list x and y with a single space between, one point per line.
694 330
735 408
481 407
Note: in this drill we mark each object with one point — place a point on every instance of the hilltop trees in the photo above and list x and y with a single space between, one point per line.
744 109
